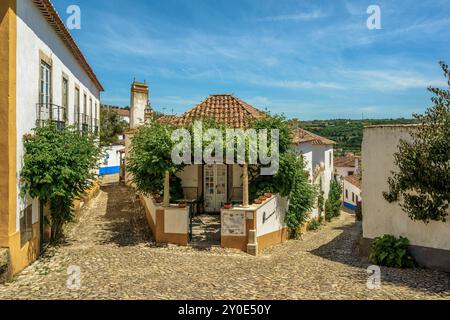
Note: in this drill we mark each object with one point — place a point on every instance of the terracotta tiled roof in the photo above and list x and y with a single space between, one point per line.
302 136
121 112
346 161
169 119
52 17
354 180
222 108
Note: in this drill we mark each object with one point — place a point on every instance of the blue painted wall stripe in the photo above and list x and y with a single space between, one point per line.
109 170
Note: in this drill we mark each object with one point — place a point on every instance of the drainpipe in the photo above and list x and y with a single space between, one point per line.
166 199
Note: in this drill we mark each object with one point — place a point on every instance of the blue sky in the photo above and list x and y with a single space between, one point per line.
306 59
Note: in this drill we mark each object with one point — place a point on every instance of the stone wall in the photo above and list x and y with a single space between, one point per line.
4 265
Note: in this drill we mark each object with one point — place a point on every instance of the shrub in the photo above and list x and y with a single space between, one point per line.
390 251
313 225
333 203
358 212
58 166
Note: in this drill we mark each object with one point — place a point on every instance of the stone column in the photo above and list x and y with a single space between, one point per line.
245 202
166 199
138 104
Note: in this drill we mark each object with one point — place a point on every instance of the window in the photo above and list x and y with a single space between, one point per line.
85 104
26 225
90 113
77 105
357 199
346 193
351 173
65 98
353 197
45 89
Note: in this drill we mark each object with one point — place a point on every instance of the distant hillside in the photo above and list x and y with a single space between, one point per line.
347 133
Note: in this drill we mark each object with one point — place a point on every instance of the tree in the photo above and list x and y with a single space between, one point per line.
333 203
422 184
111 126
150 157
59 166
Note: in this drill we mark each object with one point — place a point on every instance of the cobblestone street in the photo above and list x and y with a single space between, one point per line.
118 260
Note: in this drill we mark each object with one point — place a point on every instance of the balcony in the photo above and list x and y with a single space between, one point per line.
51 112
86 124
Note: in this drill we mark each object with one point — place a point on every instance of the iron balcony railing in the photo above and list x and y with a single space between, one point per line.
51 112
85 123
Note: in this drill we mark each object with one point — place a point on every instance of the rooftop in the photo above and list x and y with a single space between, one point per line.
354 180
222 108
302 136
348 160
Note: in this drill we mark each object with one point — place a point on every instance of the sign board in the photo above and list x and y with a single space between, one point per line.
233 223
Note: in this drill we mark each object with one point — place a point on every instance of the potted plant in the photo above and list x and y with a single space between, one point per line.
257 201
228 204
182 204
268 195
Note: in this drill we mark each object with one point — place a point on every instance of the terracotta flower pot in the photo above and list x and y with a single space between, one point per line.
268 195
182 205
257 201
228 206
262 198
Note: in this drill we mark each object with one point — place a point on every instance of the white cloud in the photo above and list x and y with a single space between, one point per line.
302 16
390 80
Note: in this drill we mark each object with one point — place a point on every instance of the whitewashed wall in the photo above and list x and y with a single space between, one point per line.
344 171
151 208
111 160
379 216
176 220
350 188
270 217
34 34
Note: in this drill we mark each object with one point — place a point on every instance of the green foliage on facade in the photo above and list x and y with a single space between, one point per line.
390 251
59 165
333 203
290 181
422 183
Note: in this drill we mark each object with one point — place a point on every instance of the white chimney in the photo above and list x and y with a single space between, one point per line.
138 104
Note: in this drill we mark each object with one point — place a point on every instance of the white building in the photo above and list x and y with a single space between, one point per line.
430 243
351 189
347 165
317 152
43 76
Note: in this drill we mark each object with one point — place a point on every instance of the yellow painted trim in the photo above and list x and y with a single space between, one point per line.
8 140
